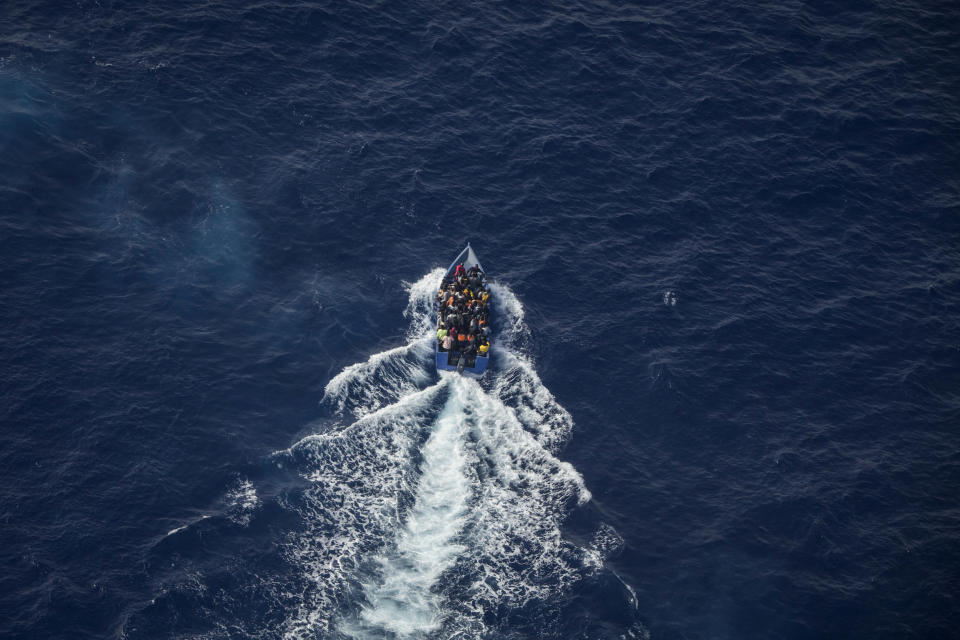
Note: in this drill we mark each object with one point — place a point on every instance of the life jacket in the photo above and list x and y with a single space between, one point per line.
441 334
461 337
470 338
483 348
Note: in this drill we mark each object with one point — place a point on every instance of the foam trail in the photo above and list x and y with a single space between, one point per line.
403 601
518 386
360 476
434 508
367 386
423 509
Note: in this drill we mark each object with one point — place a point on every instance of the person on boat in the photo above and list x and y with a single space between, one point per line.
461 340
447 343
458 271
475 283
485 296
442 331
484 347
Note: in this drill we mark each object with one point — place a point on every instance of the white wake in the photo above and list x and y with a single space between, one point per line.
434 505
401 598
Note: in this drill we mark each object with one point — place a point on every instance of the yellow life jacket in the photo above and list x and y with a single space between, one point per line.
483 349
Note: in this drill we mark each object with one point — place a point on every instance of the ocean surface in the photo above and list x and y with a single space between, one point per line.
724 399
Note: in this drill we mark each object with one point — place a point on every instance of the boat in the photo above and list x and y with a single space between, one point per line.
472 365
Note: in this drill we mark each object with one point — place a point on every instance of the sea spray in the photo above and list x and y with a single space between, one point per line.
367 386
403 598
432 507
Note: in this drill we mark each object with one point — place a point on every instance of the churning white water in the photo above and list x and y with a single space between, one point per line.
432 504
403 600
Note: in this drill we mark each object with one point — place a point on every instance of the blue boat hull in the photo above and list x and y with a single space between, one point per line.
450 361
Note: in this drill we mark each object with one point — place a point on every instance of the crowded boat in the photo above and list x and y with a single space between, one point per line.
463 317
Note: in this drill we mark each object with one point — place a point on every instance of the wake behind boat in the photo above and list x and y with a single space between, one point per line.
463 317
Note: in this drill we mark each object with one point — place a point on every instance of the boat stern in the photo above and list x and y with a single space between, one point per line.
472 366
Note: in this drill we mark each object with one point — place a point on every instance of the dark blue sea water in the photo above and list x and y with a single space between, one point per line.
725 393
